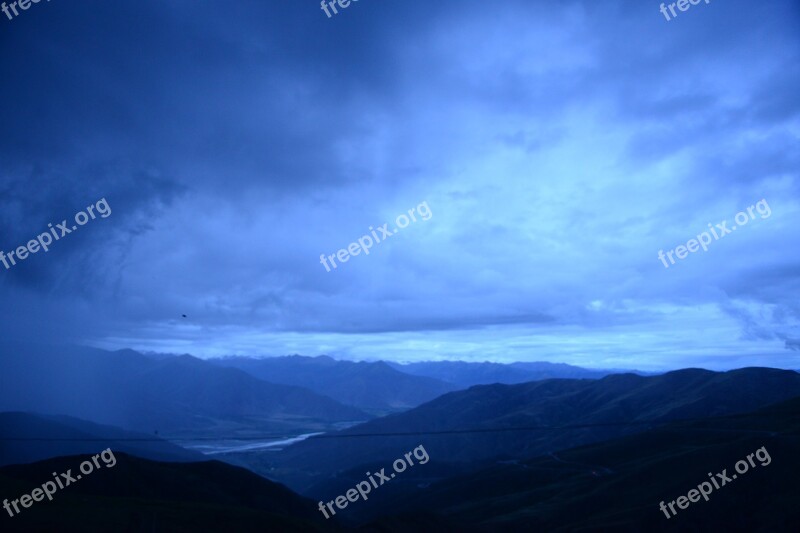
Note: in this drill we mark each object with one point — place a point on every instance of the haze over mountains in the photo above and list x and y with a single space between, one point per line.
391 386
464 374
367 385
173 395
499 453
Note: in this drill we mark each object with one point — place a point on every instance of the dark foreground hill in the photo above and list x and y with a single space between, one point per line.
130 390
618 485
487 423
372 386
141 495
27 438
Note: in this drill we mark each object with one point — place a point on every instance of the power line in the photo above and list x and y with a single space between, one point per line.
397 433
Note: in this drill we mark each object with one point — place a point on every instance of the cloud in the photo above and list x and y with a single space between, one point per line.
560 147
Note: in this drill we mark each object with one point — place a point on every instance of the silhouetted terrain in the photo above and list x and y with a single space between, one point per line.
369 386
27 437
618 485
554 455
141 495
130 390
596 410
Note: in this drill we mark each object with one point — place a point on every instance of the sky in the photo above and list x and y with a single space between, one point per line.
554 149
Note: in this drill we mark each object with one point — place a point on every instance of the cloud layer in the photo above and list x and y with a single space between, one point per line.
560 147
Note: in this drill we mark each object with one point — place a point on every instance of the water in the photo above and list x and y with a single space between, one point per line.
231 446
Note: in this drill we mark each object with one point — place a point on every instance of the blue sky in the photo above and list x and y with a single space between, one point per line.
559 145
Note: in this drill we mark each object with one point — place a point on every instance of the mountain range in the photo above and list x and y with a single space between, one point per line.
583 453
171 396
382 387
489 423
614 485
466 374
371 386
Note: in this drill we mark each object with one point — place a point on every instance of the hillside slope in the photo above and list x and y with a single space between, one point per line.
28 437
176 394
618 485
494 417
141 495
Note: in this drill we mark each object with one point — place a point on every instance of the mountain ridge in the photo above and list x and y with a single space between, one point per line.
587 411
372 386
31 437
130 390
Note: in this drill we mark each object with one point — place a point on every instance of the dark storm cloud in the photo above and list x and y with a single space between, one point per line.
560 146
